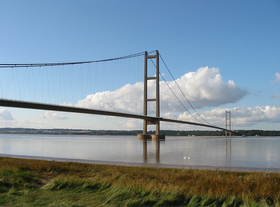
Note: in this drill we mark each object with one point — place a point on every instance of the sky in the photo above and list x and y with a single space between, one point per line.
223 54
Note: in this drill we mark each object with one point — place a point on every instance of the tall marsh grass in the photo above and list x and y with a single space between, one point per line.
109 185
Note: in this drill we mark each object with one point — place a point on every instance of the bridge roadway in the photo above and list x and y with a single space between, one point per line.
51 107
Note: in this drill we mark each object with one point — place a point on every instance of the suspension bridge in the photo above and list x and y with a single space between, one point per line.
148 98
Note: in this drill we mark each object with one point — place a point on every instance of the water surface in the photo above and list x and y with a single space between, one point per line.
248 152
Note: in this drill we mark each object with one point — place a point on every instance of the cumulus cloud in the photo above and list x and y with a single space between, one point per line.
189 117
66 104
277 78
133 124
203 88
169 116
247 116
241 117
53 115
7 120
6 115
127 98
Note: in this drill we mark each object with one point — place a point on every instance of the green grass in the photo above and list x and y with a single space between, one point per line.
25 182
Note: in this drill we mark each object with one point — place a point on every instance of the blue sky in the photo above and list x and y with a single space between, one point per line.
234 41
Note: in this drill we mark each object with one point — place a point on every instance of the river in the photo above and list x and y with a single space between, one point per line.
236 153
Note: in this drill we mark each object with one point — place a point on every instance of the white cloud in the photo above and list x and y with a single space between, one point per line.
133 124
8 122
189 117
6 115
242 117
277 78
66 104
169 116
127 98
203 88
53 115
246 116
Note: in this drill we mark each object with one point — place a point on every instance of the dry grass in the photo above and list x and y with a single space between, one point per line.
156 185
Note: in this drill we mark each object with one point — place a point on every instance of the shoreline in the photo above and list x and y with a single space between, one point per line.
135 132
158 165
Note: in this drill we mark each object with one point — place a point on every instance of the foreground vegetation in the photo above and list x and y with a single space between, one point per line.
25 182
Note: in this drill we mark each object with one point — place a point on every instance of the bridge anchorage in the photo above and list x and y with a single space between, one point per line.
156 122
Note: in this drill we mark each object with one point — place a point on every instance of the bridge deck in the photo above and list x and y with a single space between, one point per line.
51 107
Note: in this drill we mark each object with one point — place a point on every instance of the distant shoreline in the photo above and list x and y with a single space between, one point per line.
190 133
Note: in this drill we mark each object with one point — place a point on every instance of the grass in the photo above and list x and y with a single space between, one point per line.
26 182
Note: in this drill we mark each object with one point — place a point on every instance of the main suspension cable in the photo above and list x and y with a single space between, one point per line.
175 94
182 91
20 65
178 98
219 123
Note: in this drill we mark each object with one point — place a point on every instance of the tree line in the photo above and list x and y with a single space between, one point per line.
135 132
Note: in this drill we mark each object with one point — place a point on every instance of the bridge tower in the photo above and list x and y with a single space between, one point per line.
156 100
228 123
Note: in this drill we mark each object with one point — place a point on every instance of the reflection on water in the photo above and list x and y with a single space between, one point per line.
157 144
228 147
157 153
184 151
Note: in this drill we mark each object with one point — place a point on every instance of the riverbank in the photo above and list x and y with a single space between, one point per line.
157 165
26 182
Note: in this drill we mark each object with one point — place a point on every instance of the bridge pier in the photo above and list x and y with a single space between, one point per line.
158 136
144 136
151 136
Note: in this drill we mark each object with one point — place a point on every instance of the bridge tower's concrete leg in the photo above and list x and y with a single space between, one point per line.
228 123
146 100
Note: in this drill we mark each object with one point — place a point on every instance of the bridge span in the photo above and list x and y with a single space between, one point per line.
52 107
153 57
